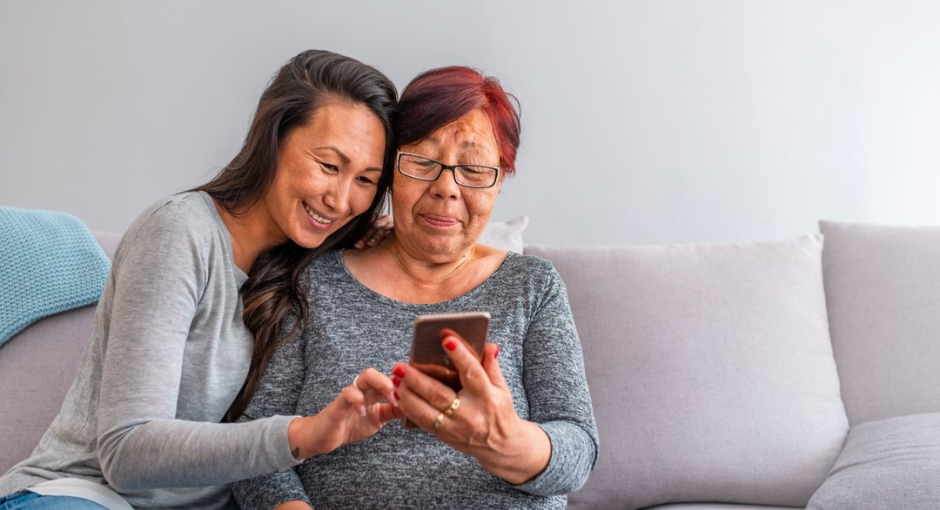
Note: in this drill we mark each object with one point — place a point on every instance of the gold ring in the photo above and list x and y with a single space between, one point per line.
438 421
453 407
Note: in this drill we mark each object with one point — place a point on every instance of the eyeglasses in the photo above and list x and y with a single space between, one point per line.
427 169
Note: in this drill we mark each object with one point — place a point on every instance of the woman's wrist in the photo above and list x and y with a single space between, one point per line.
526 455
299 437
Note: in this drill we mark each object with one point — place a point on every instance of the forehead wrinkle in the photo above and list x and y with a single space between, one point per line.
338 152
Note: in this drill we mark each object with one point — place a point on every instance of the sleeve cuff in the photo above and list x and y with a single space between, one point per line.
279 443
570 462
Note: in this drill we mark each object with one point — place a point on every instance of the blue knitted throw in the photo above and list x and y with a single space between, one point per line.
49 262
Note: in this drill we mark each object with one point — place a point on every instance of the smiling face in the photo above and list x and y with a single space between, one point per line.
327 173
439 220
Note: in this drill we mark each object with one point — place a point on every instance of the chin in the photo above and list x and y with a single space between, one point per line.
442 251
310 240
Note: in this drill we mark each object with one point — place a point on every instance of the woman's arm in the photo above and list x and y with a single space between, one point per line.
557 392
552 453
158 281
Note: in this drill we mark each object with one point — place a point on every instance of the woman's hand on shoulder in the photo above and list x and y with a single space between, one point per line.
481 419
360 410
380 229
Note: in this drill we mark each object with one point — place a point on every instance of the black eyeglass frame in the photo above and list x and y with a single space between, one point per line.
452 168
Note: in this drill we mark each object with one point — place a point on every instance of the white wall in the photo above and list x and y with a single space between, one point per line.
643 122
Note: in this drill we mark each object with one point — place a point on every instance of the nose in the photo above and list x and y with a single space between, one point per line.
445 186
337 195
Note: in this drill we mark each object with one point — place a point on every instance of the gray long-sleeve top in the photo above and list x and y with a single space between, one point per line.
352 327
168 354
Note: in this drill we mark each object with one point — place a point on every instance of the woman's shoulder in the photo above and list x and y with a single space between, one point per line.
183 219
181 211
534 274
530 265
327 266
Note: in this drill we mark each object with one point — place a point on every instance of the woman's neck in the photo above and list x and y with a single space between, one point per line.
424 272
392 271
250 235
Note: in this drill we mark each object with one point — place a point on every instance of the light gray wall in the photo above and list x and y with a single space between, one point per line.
644 122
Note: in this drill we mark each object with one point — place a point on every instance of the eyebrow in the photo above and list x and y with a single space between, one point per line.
338 152
345 158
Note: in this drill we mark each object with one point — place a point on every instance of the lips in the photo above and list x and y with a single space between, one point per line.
318 219
439 221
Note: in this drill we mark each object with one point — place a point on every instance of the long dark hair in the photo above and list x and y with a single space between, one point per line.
274 288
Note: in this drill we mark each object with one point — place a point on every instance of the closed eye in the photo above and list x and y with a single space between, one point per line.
329 168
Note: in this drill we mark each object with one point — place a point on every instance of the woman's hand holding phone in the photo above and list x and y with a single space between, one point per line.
360 410
484 423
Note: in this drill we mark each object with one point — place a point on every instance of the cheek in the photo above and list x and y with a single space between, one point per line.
361 200
405 198
481 207
278 195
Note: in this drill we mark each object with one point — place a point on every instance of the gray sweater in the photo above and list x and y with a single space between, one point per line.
168 353
352 327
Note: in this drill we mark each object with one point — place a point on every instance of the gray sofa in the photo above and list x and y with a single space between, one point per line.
724 376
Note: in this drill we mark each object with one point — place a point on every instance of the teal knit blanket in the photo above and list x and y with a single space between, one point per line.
49 263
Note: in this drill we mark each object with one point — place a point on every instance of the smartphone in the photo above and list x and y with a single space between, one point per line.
427 354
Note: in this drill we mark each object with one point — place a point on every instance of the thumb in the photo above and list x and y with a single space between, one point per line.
491 366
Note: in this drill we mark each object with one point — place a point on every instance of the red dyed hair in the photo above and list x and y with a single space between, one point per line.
440 96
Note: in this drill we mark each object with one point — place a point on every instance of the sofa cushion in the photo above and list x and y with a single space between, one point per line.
883 294
37 367
892 463
505 235
710 369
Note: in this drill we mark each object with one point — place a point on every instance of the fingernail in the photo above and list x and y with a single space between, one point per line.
450 345
396 395
393 398
396 381
399 371
358 244
496 354
372 242
362 410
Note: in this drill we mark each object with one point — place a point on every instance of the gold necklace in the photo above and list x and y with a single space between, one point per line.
401 264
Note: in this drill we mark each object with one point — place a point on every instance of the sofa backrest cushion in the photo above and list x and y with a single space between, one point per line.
37 367
710 370
883 294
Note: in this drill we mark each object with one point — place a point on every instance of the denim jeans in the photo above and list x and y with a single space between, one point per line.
25 500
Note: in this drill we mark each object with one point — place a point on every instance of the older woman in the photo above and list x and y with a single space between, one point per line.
523 433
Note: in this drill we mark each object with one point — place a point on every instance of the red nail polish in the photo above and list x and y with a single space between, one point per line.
496 354
450 345
396 395
399 371
396 381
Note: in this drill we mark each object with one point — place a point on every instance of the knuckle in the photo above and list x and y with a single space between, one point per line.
349 394
475 375
441 398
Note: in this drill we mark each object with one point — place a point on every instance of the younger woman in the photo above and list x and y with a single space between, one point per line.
198 291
